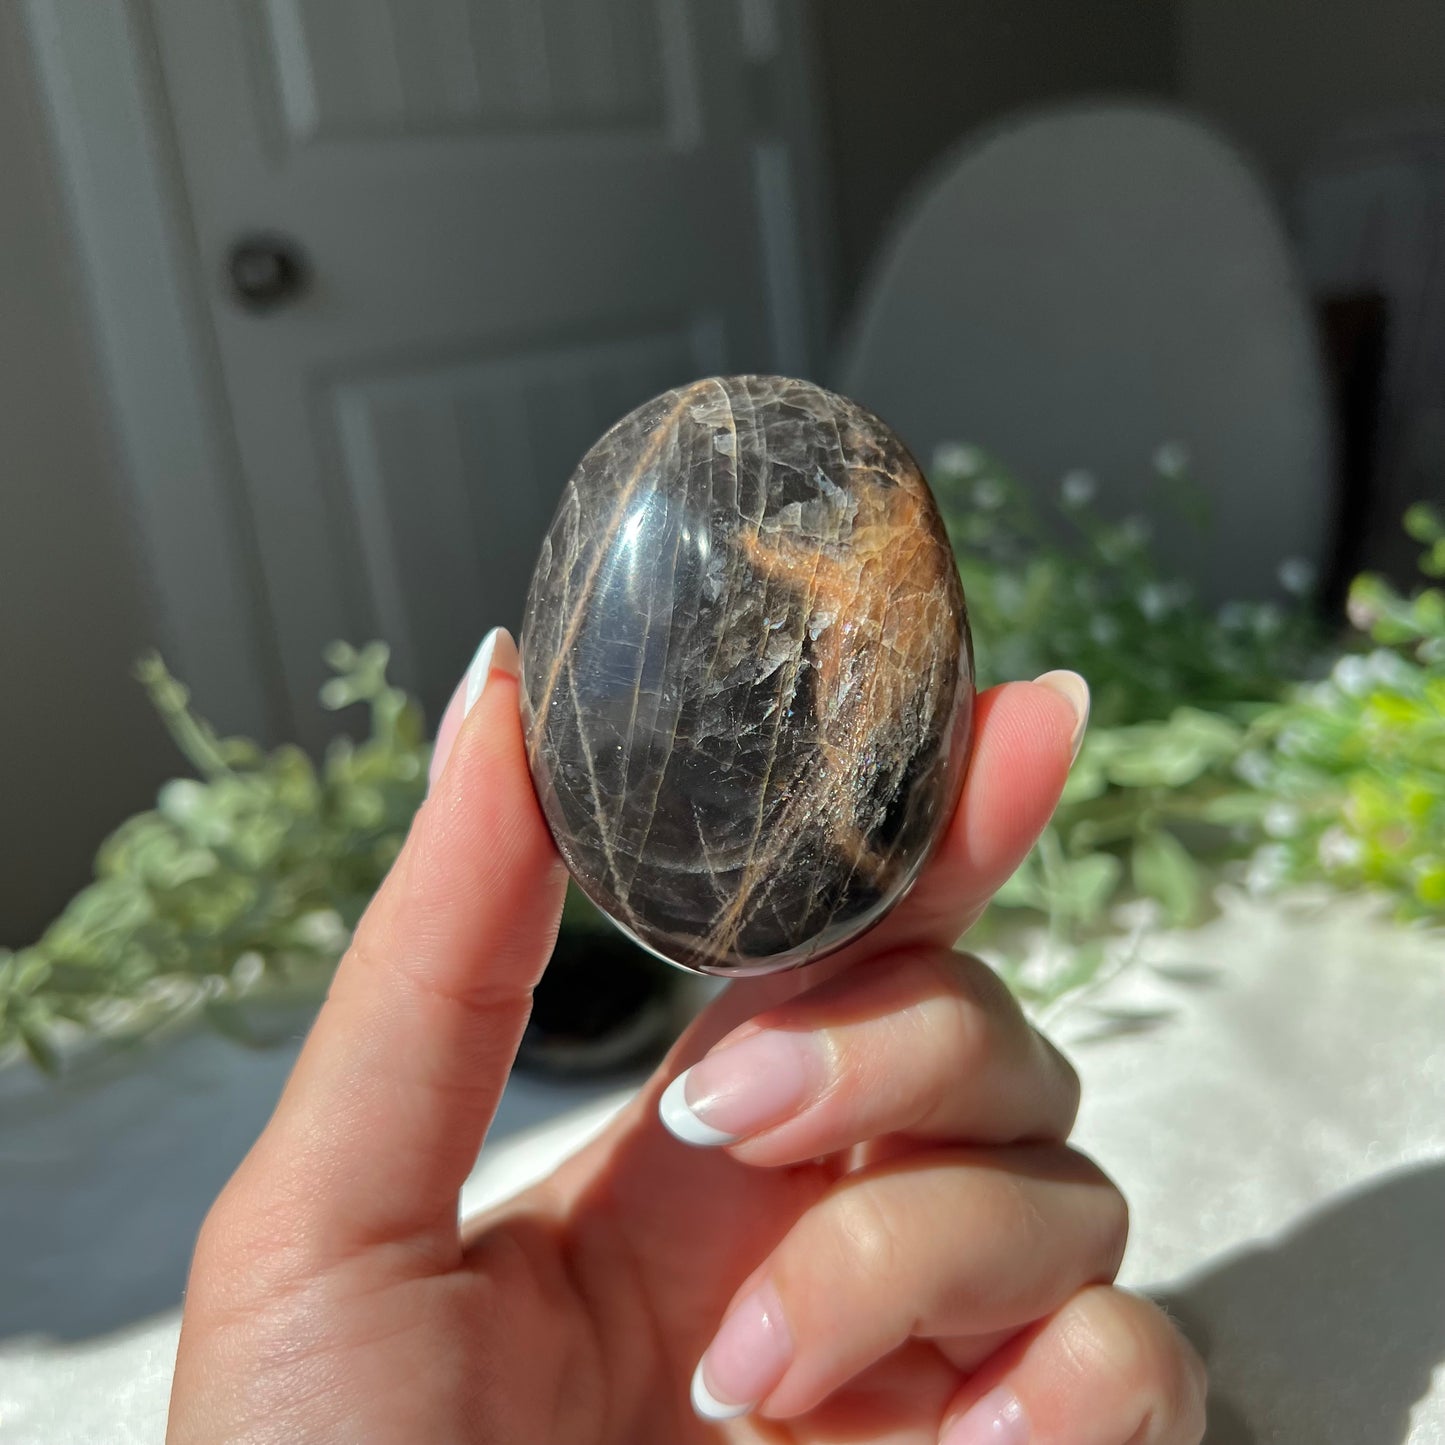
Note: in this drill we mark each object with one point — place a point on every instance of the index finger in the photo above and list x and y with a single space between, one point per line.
392 1095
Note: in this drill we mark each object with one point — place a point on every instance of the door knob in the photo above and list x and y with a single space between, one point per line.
266 271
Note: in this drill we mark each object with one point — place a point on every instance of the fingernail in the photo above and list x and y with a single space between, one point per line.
1074 691
997 1419
497 653
743 1087
747 1358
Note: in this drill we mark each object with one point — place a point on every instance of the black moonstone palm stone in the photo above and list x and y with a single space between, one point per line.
747 682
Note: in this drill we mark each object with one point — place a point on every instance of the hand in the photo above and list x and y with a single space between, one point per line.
889 1240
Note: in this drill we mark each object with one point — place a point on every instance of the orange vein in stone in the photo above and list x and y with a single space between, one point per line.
731 916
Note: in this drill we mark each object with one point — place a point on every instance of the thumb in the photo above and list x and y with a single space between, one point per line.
398 1082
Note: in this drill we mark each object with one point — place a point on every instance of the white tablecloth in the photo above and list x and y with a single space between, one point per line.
1269 1090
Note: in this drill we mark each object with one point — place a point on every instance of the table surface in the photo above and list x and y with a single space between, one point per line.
1269 1090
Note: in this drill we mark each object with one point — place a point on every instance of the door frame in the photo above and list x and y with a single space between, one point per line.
113 137
125 197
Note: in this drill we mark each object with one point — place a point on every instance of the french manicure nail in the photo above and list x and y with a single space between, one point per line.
1074 691
743 1088
497 653
997 1419
748 1356
481 667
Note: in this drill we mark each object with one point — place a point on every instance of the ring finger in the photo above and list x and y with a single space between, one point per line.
946 1246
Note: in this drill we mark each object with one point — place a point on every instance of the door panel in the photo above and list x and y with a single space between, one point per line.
434 459
520 218
389 66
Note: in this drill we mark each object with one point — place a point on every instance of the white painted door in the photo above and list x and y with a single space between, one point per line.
517 219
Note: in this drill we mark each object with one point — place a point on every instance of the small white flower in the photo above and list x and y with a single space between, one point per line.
1292 741
1338 849
1129 536
1362 612
1138 915
1172 459
988 493
1103 629
1352 675
323 929
336 692
181 799
1253 767
1078 488
957 459
1135 531
1296 575
247 970
1153 601
1281 820
1267 869
1388 668
1268 620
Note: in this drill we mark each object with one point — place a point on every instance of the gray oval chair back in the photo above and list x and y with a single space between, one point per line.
1081 285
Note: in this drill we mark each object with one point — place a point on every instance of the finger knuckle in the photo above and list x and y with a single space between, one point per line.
1066 1085
973 980
1114 1228
961 1043
1131 1346
1104 1221
972 1014
865 1235
1193 1393
249 1230
230 1221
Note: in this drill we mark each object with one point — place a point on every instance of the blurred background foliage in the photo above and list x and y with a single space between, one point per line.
1249 739
1241 741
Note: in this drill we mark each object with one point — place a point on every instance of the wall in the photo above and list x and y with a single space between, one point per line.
904 81
79 746
1281 77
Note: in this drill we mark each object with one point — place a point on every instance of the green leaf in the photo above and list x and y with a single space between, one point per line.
1163 870
230 1021
1424 523
1173 753
1025 888
1430 886
24 972
35 1036
1087 884
1086 780
1159 761
1231 810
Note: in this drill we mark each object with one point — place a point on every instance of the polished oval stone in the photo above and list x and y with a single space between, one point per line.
746 673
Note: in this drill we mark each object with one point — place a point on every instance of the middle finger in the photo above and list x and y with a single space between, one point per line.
926 1044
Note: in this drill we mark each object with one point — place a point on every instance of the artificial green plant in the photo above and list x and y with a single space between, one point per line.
1219 738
